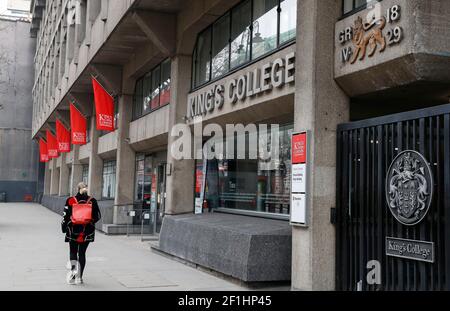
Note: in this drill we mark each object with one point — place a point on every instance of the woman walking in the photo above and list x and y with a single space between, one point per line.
81 212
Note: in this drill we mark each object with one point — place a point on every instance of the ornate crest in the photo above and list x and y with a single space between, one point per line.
367 37
409 187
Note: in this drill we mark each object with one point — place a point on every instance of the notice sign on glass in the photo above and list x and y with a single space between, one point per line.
299 178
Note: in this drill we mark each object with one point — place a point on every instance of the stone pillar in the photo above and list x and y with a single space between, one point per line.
64 176
47 178
320 105
180 183
125 162
95 163
77 170
54 183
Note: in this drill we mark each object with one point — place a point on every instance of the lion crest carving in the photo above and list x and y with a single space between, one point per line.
367 37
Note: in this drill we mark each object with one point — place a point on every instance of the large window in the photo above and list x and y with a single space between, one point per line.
248 31
109 180
152 90
85 174
249 184
351 5
143 183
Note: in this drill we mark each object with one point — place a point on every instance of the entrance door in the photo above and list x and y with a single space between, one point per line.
366 223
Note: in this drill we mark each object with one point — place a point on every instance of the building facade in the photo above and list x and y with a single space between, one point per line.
19 165
193 78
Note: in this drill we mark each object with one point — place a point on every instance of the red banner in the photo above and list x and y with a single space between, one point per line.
43 153
104 107
299 148
63 137
78 126
52 145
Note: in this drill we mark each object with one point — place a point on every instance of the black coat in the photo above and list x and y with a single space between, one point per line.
73 231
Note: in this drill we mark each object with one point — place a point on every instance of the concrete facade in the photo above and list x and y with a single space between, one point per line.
119 42
18 155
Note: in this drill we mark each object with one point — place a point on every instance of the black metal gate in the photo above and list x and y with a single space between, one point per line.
365 151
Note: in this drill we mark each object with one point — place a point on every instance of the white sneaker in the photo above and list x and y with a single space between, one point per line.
70 278
78 281
69 265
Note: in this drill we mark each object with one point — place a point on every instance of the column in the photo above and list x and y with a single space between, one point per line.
180 182
95 163
54 179
63 176
320 105
125 162
77 170
47 178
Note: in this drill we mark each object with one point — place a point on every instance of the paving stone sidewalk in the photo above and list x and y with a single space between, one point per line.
33 256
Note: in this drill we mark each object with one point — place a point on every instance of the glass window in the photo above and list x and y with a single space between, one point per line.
265 18
147 93
109 179
220 46
274 23
156 78
240 34
138 99
203 58
165 83
152 90
143 179
139 184
350 5
250 184
288 20
85 174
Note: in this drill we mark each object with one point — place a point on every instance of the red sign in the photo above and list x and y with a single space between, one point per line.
62 137
78 126
299 148
198 180
104 107
52 145
43 153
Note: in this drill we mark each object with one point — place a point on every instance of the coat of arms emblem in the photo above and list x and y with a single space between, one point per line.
409 187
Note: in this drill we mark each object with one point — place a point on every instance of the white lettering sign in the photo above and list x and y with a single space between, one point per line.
271 75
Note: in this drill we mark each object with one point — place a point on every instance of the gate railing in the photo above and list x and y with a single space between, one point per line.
145 218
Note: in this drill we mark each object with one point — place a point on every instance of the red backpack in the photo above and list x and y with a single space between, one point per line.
81 212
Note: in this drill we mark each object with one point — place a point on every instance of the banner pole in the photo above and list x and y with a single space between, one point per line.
110 94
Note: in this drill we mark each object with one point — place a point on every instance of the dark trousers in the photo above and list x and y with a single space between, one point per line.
78 253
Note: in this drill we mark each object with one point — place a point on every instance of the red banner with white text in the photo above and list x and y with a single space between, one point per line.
43 153
63 137
52 145
104 107
78 126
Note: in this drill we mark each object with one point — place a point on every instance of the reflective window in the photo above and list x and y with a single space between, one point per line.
85 174
109 180
249 184
165 83
241 35
143 179
154 95
220 46
264 27
288 20
203 58
350 5
152 90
